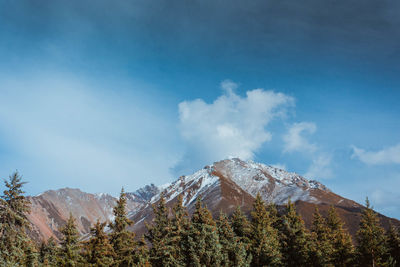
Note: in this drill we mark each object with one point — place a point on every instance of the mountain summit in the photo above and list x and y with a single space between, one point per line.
223 185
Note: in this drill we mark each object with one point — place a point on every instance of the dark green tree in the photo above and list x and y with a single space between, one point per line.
179 230
273 214
241 226
48 253
121 239
69 255
98 250
343 249
294 238
232 249
371 249
162 251
203 244
265 247
321 248
393 244
31 255
16 248
142 257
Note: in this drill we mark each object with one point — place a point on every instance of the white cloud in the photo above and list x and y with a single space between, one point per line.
229 86
232 125
320 167
390 155
294 139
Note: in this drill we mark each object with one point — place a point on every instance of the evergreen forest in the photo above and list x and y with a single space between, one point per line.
264 238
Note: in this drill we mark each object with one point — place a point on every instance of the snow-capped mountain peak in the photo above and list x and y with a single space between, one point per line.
241 171
274 184
224 185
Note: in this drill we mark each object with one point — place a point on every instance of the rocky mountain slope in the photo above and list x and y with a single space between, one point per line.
50 210
222 186
229 183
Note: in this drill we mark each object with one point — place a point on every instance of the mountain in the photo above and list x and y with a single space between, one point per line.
222 186
50 210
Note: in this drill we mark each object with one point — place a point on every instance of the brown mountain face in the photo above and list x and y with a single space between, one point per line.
222 186
50 210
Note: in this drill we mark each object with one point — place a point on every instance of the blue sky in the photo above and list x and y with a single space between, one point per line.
99 95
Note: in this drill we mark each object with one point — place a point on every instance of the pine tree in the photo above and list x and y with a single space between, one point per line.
265 247
203 244
273 214
241 226
142 257
294 238
162 252
393 244
31 255
343 250
16 247
70 245
98 250
179 230
371 250
232 249
121 239
321 247
48 253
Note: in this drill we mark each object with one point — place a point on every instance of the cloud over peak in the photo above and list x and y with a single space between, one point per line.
232 125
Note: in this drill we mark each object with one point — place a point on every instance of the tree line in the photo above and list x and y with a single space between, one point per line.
173 238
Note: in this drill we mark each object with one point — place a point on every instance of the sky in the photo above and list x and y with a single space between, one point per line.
102 94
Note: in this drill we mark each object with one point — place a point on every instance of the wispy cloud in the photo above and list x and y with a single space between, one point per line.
320 167
389 155
230 126
294 139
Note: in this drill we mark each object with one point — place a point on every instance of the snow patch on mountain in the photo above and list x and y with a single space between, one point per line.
191 186
274 184
144 194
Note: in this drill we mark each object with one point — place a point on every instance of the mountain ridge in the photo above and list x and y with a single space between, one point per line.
223 185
